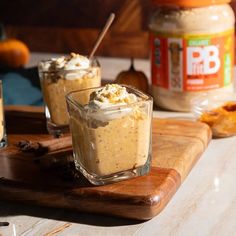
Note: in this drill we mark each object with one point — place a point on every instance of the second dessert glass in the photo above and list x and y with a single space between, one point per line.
3 136
56 84
113 143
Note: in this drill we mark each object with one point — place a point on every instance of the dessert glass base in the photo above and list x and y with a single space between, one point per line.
55 129
3 142
115 177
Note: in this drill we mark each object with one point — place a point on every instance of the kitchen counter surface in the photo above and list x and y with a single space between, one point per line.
205 204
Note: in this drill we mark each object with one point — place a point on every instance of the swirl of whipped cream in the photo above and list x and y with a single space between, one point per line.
112 95
72 62
70 67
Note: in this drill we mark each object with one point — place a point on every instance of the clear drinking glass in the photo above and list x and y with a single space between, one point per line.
110 144
3 135
56 84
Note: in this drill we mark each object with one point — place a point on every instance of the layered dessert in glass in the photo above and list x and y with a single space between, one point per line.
3 136
59 76
111 132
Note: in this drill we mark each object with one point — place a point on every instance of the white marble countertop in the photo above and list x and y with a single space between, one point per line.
205 204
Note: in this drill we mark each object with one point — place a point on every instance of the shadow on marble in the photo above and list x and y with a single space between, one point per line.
8 209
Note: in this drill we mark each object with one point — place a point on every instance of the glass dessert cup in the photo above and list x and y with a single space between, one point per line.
114 143
56 84
3 136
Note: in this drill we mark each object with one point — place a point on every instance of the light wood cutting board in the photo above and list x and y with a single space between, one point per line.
177 145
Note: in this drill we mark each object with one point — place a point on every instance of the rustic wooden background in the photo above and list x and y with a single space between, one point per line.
65 26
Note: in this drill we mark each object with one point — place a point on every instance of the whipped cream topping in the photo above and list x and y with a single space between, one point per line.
111 95
70 67
72 62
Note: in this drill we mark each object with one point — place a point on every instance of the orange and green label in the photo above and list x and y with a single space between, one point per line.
192 62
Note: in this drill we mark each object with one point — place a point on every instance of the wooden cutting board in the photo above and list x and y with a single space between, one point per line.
177 145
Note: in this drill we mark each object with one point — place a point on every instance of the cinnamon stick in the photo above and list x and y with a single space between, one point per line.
46 146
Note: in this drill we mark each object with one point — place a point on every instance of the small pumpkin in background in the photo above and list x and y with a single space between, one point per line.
13 52
133 77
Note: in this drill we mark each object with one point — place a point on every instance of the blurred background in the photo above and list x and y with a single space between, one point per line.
65 26
49 27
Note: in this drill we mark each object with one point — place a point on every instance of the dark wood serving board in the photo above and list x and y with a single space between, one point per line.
177 145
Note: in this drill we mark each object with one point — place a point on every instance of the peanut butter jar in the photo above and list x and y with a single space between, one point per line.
192 50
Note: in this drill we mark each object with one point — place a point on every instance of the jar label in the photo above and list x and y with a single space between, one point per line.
192 62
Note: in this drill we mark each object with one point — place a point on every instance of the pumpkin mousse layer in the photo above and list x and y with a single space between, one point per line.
62 75
114 136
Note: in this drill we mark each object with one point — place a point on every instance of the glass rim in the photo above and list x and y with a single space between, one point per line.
71 70
145 97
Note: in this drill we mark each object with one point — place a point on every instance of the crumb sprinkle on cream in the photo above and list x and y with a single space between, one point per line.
110 95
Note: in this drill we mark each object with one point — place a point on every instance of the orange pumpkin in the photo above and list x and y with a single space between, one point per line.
13 53
134 78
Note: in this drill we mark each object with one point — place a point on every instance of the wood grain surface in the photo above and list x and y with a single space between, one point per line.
177 145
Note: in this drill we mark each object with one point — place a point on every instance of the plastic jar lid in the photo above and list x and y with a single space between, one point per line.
190 3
